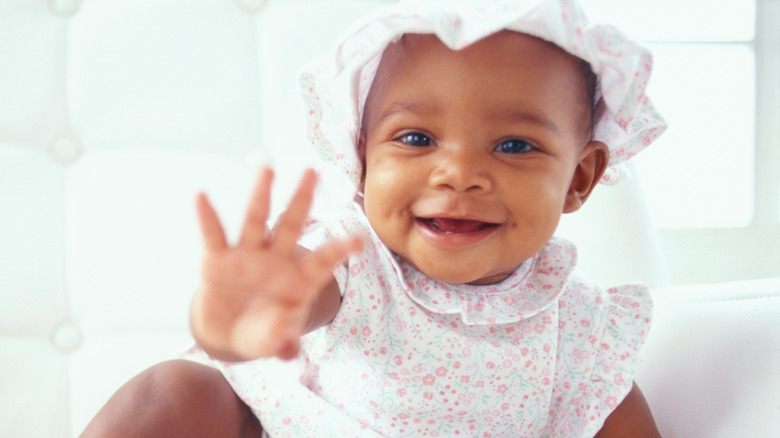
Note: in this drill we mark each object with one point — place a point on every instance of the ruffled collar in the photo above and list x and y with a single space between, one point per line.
531 289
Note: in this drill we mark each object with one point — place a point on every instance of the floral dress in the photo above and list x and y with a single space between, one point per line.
541 354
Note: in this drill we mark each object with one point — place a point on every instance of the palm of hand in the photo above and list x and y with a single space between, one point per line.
256 297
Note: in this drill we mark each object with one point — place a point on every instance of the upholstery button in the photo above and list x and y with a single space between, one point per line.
64 8
67 337
251 6
65 148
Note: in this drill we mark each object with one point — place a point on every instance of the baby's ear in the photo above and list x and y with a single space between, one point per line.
361 151
593 162
361 146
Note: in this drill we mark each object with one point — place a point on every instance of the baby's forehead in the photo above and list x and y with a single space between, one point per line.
505 48
500 59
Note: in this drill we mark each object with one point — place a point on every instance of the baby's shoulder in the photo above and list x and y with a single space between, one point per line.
606 318
583 300
582 291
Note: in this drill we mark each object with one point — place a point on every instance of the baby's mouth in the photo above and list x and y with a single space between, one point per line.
453 226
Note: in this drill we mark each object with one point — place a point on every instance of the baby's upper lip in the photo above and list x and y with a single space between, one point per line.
465 217
459 208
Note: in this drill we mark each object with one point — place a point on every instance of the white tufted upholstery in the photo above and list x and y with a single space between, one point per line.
712 362
114 113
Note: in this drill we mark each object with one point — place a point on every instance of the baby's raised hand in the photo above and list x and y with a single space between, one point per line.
256 297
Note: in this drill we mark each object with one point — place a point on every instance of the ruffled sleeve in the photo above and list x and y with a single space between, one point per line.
602 335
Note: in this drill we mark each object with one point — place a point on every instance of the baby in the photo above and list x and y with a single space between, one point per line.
438 303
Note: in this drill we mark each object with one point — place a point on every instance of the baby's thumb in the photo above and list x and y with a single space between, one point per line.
320 263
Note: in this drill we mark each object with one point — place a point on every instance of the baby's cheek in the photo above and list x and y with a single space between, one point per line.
383 183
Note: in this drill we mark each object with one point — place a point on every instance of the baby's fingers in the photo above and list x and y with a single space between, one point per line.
290 223
319 264
254 231
211 229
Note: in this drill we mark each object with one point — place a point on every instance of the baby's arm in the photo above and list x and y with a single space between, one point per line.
631 419
258 297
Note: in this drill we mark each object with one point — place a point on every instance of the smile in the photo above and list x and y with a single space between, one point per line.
446 225
450 232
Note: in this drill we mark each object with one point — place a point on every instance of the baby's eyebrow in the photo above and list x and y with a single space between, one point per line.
419 108
515 115
505 113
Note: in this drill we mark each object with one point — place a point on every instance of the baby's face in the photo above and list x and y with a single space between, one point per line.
472 156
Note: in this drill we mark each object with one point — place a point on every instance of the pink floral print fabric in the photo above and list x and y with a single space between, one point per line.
541 354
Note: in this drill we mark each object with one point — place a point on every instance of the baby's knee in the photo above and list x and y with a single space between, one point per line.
179 397
181 380
185 389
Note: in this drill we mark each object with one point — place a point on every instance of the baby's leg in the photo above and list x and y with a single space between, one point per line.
176 398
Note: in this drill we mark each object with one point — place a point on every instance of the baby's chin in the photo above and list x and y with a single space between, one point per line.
457 275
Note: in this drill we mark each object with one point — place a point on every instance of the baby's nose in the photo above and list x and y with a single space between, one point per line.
461 171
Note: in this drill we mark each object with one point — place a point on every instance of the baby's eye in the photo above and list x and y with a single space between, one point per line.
415 139
514 146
